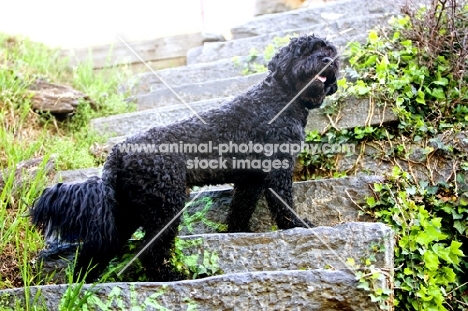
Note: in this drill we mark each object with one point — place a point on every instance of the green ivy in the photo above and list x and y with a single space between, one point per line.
430 225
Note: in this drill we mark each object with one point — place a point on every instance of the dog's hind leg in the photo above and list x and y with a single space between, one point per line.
157 254
279 184
245 198
156 217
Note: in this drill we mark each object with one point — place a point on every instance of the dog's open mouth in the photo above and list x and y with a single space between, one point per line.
322 78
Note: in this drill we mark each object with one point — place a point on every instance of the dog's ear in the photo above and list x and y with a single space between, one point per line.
280 63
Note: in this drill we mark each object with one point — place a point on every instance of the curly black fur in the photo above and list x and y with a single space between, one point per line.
147 189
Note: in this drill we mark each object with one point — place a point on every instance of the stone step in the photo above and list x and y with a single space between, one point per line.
324 202
156 50
196 92
357 26
439 169
197 73
294 249
279 290
355 112
136 122
307 17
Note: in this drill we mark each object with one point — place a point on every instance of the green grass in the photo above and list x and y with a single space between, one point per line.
25 134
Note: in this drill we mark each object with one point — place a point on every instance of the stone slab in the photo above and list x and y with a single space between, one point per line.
355 26
135 122
147 82
281 290
196 92
424 162
355 111
78 175
307 17
156 49
297 248
325 202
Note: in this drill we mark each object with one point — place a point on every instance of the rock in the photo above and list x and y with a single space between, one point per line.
295 249
196 92
26 171
197 73
279 290
327 12
56 98
157 49
136 122
211 52
424 161
355 111
325 202
275 6
78 175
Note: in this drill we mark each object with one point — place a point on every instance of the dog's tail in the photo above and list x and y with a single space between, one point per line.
80 212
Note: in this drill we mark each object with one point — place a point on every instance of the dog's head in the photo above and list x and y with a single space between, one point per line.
307 62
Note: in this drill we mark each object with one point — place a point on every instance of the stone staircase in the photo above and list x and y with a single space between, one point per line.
298 269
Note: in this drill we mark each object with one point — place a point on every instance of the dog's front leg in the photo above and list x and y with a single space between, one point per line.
245 198
278 193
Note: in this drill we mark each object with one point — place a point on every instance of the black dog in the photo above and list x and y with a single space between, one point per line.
249 140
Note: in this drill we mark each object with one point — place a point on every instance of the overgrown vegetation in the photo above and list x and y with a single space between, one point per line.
418 69
26 134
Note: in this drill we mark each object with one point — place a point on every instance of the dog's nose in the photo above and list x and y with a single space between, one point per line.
327 59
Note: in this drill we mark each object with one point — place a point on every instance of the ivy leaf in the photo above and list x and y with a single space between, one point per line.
457 224
373 36
431 260
429 235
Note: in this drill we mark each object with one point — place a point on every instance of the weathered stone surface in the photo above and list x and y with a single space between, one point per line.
196 92
26 171
275 6
318 14
325 202
282 290
293 249
136 122
211 52
196 73
424 161
55 98
78 175
354 112
297 248
158 49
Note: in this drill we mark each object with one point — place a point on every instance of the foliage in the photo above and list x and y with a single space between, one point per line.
430 226
256 61
27 134
418 69
200 216
194 265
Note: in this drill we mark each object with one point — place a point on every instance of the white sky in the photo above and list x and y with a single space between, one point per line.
81 23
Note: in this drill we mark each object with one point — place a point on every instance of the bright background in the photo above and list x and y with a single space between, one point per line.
82 23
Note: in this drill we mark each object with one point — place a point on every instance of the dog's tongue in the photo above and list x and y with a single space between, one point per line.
321 78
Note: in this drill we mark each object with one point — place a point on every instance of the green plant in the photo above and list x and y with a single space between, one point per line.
373 280
256 61
188 220
76 294
428 223
194 265
26 134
